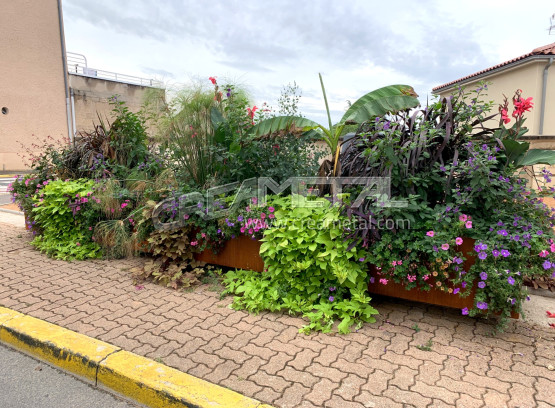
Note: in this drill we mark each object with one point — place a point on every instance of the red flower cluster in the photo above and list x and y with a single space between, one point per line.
251 113
522 105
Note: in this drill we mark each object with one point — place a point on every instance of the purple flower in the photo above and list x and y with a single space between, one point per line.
482 305
240 218
435 248
331 298
372 280
483 275
511 280
495 253
516 238
457 260
456 290
546 265
332 289
539 232
481 284
505 253
482 255
463 285
465 311
503 232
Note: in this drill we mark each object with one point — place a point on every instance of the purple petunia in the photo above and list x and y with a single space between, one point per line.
505 253
456 290
481 284
511 280
332 289
546 265
483 275
465 311
482 305
495 253
482 255
503 232
331 298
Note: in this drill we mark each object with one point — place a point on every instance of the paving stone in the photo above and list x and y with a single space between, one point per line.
292 396
265 357
322 391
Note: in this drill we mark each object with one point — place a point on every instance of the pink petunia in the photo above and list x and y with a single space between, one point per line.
383 281
458 241
463 217
468 224
430 233
445 247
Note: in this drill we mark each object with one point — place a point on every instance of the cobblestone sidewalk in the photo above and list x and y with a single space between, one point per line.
266 358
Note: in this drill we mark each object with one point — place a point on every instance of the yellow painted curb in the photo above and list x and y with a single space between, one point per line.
7 314
133 376
66 349
160 386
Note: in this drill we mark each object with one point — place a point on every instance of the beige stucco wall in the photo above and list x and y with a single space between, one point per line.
529 78
91 99
31 78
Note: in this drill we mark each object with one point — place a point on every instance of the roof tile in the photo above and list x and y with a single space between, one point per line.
545 50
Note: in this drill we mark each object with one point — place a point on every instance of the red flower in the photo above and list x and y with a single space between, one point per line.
213 80
505 116
522 105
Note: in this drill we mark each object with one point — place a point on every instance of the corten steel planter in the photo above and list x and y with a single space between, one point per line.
241 252
434 296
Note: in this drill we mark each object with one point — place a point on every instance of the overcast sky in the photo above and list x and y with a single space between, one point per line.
358 46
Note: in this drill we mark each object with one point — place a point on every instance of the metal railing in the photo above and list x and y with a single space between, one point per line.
77 65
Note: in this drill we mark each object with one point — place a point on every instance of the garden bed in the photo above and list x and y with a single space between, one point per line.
243 253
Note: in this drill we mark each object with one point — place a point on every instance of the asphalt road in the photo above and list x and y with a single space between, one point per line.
5 198
29 383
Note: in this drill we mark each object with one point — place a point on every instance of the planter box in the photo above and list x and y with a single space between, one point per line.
241 253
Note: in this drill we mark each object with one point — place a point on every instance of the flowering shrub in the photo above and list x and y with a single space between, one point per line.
63 214
460 183
310 271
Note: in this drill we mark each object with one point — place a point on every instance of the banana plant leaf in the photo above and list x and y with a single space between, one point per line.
276 124
537 156
515 150
389 99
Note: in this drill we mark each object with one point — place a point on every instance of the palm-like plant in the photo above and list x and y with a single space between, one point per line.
389 99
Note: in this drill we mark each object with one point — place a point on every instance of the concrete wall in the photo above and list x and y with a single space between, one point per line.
31 78
91 98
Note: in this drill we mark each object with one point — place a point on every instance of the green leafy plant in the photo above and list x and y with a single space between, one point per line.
426 347
310 271
390 99
65 219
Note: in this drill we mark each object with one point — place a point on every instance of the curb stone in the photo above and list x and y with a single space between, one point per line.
132 376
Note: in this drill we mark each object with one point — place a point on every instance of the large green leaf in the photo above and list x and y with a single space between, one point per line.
515 150
389 99
537 156
279 123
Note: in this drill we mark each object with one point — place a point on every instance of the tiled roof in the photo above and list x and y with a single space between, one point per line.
545 50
